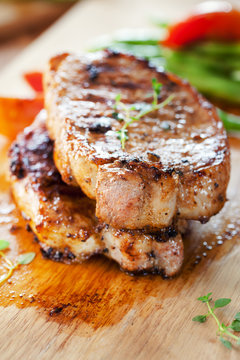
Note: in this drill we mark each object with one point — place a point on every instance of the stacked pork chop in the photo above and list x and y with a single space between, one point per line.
83 194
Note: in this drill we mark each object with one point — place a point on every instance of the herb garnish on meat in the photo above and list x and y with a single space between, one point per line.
124 112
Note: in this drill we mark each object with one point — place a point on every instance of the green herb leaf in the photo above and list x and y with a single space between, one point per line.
118 98
156 86
4 244
200 318
115 115
225 342
122 136
205 298
221 303
117 101
235 325
133 107
222 328
237 316
143 108
26 259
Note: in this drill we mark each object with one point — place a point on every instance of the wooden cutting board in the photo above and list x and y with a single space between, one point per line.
93 310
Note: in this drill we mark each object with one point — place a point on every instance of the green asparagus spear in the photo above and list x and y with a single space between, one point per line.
218 48
207 81
215 64
230 121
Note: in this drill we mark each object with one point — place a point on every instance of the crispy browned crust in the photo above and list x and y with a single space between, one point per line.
186 168
63 218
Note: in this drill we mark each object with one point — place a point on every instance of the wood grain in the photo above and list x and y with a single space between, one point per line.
94 311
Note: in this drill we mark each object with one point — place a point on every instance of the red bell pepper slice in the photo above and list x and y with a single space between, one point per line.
16 114
34 79
211 20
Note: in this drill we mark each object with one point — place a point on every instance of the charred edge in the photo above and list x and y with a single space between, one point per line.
16 165
28 228
134 163
162 235
35 238
153 157
175 171
24 156
204 219
142 272
165 234
57 255
157 174
23 159
17 170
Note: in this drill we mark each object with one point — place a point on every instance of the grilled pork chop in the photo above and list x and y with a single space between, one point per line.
63 218
176 161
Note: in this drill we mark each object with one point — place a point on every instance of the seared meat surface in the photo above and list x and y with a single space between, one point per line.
176 161
63 218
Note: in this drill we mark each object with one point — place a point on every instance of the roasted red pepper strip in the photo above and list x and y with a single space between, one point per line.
16 114
34 79
211 20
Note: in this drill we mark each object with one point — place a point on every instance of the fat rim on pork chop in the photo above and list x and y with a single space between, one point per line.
63 218
179 170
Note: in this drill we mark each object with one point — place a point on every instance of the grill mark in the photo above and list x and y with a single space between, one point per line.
93 72
98 125
126 85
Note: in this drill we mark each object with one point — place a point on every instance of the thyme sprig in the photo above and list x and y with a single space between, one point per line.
223 330
11 266
124 112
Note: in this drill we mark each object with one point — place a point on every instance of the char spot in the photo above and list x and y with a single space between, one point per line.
179 172
47 253
100 126
151 254
204 219
221 198
171 232
165 234
17 169
69 254
35 238
93 72
153 157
